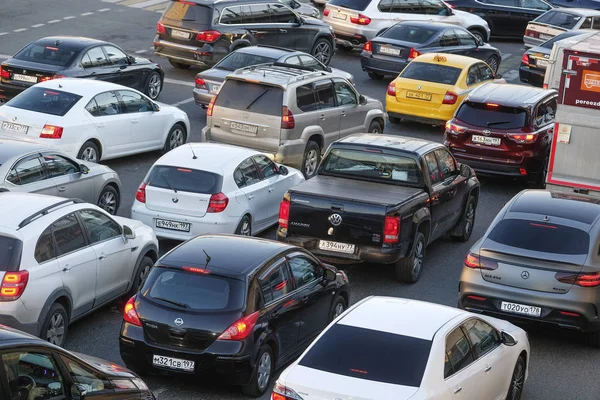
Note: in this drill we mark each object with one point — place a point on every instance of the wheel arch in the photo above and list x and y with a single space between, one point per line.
61 296
151 251
97 142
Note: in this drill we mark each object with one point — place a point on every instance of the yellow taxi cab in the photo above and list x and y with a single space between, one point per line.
432 87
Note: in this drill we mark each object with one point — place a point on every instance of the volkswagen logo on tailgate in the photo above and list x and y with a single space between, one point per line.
178 322
335 219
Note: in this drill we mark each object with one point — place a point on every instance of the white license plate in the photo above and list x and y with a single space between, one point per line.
545 37
173 363
516 308
180 34
489 141
214 88
244 127
173 225
542 63
17 128
25 78
389 51
337 247
339 16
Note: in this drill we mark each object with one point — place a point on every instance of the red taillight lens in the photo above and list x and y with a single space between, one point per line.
525 59
4 74
140 194
218 203
160 29
208 36
360 20
391 230
475 262
451 5
413 53
51 132
200 83
287 119
130 314
545 86
590 279
13 285
196 270
281 392
391 91
530 33
368 47
523 138
284 213
326 12
49 78
454 129
211 105
450 98
241 328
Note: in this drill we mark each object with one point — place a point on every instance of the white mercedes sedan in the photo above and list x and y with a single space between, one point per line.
93 120
391 348
205 188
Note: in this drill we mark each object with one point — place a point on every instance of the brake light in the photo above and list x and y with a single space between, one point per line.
200 83
454 128
217 203
413 53
368 47
140 194
545 86
49 78
241 328
391 230
360 20
569 314
326 12
590 279
525 59
208 36
523 138
450 98
530 33
287 119
478 298
130 314
211 105
281 392
391 91
13 285
475 262
450 5
4 74
195 270
492 105
160 29
51 132
284 212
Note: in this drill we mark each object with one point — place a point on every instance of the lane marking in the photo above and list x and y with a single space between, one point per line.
140 51
37 25
54 21
178 82
129 2
182 102
69 17
111 1
104 9
20 30
3 33
86 14
4 56
147 3
505 56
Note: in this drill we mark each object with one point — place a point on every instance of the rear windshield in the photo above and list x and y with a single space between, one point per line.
193 290
369 354
358 5
248 96
10 253
373 165
478 114
238 60
184 179
559 19
542 237
407 33
431 73
566 35
58 56
188 12
47 101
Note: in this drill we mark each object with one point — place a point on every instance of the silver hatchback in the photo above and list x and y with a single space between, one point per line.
539 261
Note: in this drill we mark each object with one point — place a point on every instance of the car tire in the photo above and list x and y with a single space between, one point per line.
494 63
109 200
322 51
375 75
517 380
244 228
337 307
540 179
175 138
375 127
89 152
56 324
408 270
178 65
478 34
259 383
310 160
141 275
154 85
464 228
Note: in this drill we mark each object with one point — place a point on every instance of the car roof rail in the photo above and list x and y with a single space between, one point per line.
45 211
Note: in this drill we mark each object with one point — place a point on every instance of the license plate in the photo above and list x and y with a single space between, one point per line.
339 16
542 63
180 34
419 96
214 88
173 225
545 37
389 51
25 78
490 141
173 363
521 309
17 128
244 127
337 247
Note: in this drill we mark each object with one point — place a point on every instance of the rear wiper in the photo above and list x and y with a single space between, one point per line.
256 99
168 184
175 303
498 123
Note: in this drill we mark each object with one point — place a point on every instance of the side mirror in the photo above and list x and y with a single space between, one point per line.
128 233
465 170
78 392
498 76
130 59
328 69
54 389
299 20
362 100
84 169
329 275
449 11
507 339
155 107
479 41
283 170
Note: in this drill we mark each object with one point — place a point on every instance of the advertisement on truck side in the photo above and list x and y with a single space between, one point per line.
581 86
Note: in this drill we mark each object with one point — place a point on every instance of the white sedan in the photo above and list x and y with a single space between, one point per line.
93 120
391 348
212 188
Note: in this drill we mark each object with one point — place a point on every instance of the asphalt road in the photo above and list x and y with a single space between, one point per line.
562 367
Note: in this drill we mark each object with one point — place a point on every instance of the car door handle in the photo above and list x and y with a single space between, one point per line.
283 31
250 196
458 389
253 32
66 268
488 368
322 118
271 189
100 125
343 113
102 257
62 188
135 121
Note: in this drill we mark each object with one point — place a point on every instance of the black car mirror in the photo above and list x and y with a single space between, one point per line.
299 21
83 169
498 76
78 392
283 170
362 100
507 339
128 233
449 11
479 41
465 170
329 275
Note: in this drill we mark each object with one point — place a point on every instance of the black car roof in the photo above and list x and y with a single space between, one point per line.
542 202
69 41
8 337
10 148
403 143
509 95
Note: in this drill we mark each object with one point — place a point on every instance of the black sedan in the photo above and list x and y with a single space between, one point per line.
239 315
395 47
77 57
506 18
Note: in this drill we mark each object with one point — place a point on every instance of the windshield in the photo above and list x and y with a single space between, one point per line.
47 101
371 165
10 253
184 179
498 117
237 60
46 55
358 5
431 73
249 96
407 33
566 35
558 18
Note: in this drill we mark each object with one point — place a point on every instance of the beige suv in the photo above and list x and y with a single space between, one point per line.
290 113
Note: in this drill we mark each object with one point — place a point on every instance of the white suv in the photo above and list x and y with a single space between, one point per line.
62 259
355 22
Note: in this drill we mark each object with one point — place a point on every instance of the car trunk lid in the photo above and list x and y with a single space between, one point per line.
28 73
421 93
23 124
543 31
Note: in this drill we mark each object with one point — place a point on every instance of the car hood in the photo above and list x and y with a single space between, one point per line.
345 74
467 16
97 169
106 367
214 74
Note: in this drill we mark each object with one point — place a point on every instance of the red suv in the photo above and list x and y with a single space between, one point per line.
503 129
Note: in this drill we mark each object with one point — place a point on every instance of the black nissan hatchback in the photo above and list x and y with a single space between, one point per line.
230 306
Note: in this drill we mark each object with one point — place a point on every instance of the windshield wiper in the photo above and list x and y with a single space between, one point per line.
498 123
256 99
168 184
175 303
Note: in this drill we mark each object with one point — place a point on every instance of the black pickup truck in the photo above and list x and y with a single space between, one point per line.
382 199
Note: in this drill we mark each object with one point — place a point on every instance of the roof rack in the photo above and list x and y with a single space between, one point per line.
46 210
294 71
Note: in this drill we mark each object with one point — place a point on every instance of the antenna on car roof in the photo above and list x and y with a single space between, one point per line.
194 154
207 258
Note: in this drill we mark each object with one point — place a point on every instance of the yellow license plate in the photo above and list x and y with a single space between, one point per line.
419 96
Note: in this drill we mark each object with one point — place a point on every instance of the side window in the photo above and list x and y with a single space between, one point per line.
447 163
385 5
458 352
305 98
107 103
266 166
259 14
99 226
115 56
344 94
68 235
280 14
535 4
485 72
249 172
238 177
275 283
58 165
28 170
586 24
596 23
293 60
309 61
465 38
44 249
91 381
304 270
92 108
406 7
545 113
433 168
94 58
325 94
232 16
32 375
483 337
473 75
448 39
433 7
134 102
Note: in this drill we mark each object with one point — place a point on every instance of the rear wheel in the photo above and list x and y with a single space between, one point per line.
478 34
55 326
178 65
375 75
109 200
337 307
89 152
312 155
409 269
540 180
261 376
465 225
517 381
142 273
245 227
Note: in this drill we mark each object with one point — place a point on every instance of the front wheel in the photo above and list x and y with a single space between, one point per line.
375 127
261 376
312 155
408 270
322 51
465 225
245 227
175 138
517 381
337 307
478 34
55 326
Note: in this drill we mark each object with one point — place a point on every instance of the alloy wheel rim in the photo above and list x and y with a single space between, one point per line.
517 382
89 154
143 275
418 261
56 329
323 52
176 139
245 231
108 202
339 309
493 64
470 218
311 162
264 370
154 87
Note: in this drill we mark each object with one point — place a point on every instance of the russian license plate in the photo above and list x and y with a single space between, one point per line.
244 128
389 51
173 225
339 16
337 247
214 88
180 34
542 63
173 363
25 78
419 96
545 37
516 308
489 141
17 128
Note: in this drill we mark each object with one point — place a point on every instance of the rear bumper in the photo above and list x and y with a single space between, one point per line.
383 67
351 34
203 56
8 91
202 97
484 167
355 40
532 76
529 42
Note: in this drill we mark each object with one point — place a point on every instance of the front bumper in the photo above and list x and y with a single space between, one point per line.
532 76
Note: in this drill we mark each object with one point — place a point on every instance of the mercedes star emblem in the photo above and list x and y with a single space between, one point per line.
179 322
175 199
486 132
525 275
335 219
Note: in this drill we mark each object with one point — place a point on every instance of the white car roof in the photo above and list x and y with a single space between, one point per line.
81 87
18 206
211 157
400 316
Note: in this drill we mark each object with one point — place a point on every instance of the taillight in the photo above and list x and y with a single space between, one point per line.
454 129
391 91
281 392
208 36
49 78
51 132
530 33
589 279
475 262
326 12
160 29
413 53
360 20
130 314
284 212
196 270
211 105
450 98
200 83
287 119
391 230
525 59
4 74
13 285
368 47
217 203
241 328
140 194
523 138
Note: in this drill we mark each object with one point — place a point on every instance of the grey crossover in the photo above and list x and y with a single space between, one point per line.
539 261
35 168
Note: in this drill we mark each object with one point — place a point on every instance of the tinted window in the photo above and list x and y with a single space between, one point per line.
305 98
325 94
431 73
385 5
232 15
497 117
358 5
188 12
134 102
84 377
465 38
406 7
294 60
194 290
105 104
44 249
238 60
266 166
473 75
541 237
40 370
407 33
58 166
249 172
10 253
68 234
586 24
46 55
433 168
311 62
550 43
485 72
248 96
99 226
238 177
545 113
448 39
94 58
275 283
371 355
559 19
184 179
45 101
509 3
447 162
483 337
344 94
26 171
280 14
458 352
115 56
259 14
304 270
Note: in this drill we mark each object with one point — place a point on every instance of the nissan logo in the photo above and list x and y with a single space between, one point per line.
486 132
178 322
175 199
335 219
525 275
